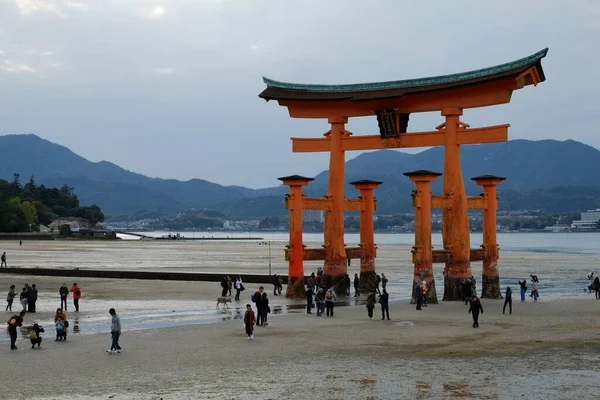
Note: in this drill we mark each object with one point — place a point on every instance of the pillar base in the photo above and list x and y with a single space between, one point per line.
490 287
368 281
431 294
452 289
295 288
333 277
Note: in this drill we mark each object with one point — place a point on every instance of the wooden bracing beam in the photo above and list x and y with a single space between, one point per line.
324 204
473 202
489 134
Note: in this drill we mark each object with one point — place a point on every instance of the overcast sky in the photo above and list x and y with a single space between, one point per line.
170 88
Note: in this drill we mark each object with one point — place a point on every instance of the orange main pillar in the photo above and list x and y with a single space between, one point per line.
368 279
422 250
455 218
490 281
295 249
335 252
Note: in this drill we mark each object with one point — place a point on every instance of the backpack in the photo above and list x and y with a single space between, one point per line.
329 296
78 292
254 297
33 334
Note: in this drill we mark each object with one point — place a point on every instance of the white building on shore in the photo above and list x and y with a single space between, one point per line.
588 222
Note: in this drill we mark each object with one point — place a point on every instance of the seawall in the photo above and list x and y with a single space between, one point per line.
115 274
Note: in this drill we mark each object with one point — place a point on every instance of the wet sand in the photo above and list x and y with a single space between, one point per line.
178 346
543 350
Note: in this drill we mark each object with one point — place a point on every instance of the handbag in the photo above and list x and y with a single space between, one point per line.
242 288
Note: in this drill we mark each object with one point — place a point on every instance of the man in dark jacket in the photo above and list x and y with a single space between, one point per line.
474 310
309 299
64 293
356 285
385 308
419 293
32 298
14 322
507 300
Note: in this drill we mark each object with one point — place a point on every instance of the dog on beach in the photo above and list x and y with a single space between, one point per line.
223 300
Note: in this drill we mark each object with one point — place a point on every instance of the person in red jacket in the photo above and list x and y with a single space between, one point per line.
76 296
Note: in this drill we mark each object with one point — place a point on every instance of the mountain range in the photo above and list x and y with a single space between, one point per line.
545 174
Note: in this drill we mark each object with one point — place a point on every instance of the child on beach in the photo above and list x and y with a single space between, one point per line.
58 325
249 320
330 299
371 300
34 335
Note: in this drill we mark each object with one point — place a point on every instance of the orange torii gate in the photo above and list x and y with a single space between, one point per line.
392 103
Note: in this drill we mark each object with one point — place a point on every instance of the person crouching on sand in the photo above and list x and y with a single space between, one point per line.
35 335
249 320
371 300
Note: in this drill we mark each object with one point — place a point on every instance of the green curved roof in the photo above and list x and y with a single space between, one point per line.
276 87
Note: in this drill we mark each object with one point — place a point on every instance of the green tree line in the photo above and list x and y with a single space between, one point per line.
25 207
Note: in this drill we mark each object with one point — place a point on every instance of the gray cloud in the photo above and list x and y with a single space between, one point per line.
169 88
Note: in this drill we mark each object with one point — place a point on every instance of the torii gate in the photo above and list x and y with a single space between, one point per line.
393 102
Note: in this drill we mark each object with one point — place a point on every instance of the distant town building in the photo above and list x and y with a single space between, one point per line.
588 222
313 216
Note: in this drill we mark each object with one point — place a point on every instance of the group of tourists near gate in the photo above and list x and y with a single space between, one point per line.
324 300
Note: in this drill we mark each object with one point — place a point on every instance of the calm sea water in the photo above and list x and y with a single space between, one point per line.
568 243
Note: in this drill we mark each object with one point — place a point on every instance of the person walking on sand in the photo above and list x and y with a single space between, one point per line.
275 283
474 310
264 309
257 299
597 287
330 299
64 293
534 291
35 336
115 332
3 258
229 285
10 297
419 295
347 284
356 285
384 281
385 308
76 290
320 300
310 282
249 320
466 290
13 323
23 298
371 300
523 286
32 298
238 288
309 299
377 282
507 300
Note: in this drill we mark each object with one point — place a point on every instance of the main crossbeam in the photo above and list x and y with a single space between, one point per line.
488 134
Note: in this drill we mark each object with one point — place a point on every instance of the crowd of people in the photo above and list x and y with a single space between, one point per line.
28 298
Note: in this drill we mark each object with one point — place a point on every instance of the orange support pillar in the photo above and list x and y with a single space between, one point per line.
422 250
490 281
335 258
455 218
295 248
368 279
